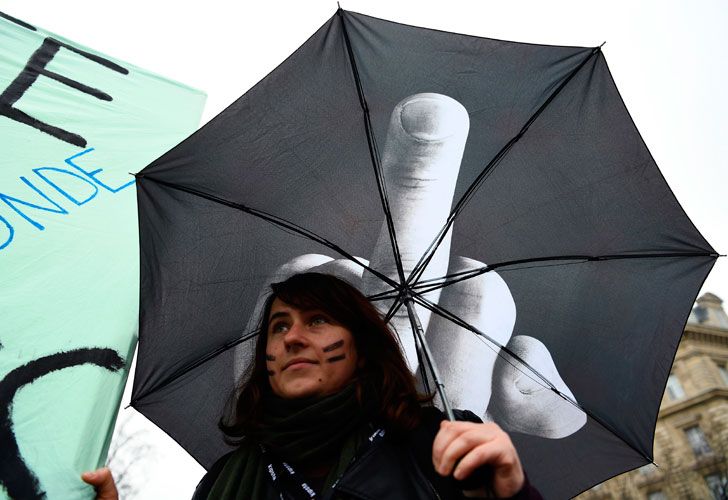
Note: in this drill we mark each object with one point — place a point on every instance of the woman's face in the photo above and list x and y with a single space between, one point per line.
307 352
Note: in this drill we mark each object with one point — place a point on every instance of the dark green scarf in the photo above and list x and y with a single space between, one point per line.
299 431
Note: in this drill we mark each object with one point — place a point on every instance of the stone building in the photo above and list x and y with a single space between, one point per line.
691 437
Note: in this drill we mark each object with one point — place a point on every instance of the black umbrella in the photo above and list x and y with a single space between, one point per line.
495 195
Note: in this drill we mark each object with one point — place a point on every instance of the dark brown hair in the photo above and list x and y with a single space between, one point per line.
384 384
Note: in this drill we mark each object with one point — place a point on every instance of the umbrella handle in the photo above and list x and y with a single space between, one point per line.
425 350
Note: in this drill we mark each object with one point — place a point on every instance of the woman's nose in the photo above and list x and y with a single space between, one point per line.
295 336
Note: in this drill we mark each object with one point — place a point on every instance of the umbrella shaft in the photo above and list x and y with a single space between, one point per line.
425 350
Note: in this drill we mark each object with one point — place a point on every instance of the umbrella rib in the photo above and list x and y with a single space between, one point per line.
414 325
432 284
457 209
396 304
440 311
191 366
278 221
373 151
423 351
385 295
398 301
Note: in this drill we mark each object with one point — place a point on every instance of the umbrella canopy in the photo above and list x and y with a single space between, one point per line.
499 190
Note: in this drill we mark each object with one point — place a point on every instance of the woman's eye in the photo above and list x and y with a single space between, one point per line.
278 328
318 320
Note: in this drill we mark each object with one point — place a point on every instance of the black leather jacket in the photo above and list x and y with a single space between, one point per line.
394 468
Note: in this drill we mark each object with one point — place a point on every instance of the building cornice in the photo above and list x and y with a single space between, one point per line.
706 333
696 339
700 398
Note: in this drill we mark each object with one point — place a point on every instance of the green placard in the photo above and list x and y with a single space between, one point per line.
73 125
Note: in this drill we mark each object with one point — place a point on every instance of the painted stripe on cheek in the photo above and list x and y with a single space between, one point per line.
335 345
334 359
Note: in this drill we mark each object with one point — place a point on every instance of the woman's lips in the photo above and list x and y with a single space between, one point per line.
299 363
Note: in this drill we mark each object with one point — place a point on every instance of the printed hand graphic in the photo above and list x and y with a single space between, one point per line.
420 164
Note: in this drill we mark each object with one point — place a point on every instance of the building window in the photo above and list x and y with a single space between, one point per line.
697 441
674 388
718 486
656 495
723 373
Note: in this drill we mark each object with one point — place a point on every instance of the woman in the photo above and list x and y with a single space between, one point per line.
329 408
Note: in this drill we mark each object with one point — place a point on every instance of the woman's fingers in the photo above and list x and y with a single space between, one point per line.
462 447
103 481
454 440
508 476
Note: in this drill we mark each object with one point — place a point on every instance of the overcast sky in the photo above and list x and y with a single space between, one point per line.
667 57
